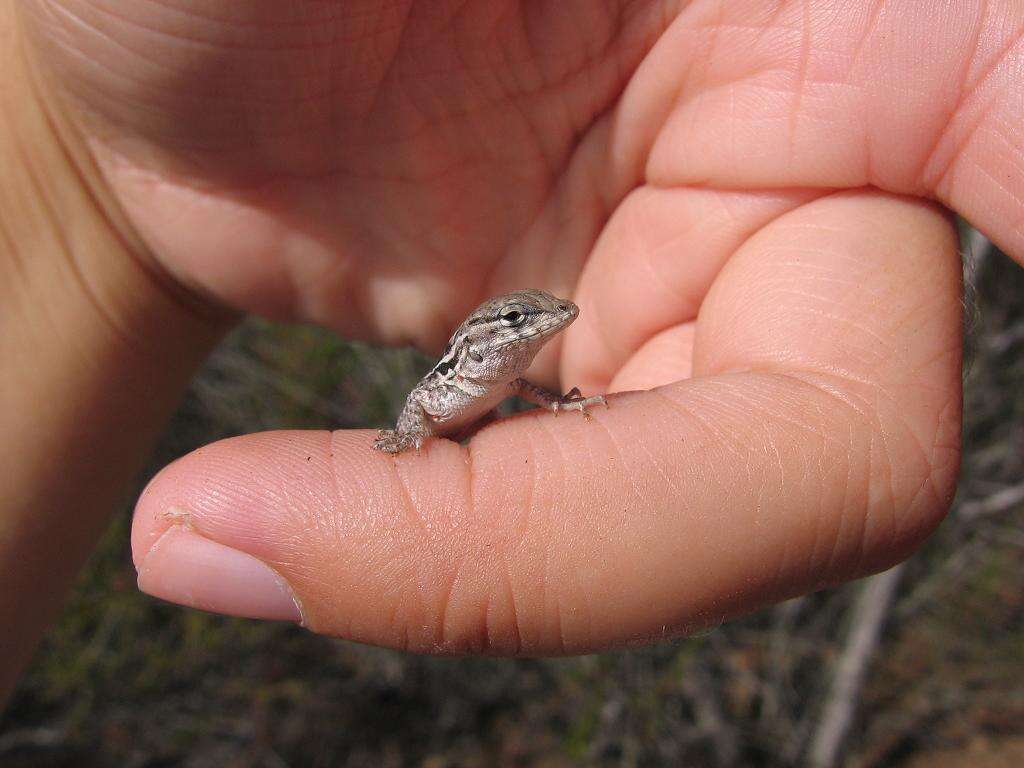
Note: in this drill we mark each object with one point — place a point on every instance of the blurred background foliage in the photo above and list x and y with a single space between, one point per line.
921 666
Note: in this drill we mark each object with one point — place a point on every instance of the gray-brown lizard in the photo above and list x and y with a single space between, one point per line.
482 365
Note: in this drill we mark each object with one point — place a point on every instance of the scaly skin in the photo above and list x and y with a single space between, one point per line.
483 364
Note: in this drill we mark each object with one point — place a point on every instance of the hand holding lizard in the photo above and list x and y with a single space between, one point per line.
745 215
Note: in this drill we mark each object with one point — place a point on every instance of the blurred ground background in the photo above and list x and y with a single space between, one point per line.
923 666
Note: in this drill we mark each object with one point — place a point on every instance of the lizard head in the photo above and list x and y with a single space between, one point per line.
500 338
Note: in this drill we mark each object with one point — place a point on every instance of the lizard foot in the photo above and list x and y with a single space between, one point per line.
390 441
573 400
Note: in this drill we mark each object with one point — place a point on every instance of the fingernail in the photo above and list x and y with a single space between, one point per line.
187 569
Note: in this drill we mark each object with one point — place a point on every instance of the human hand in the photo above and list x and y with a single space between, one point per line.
725 223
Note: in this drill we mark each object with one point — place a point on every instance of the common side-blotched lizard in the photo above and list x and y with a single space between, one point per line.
482 365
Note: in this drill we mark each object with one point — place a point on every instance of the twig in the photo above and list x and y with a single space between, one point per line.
1000 501
31 738
869 614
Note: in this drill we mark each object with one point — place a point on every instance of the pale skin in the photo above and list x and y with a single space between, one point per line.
744 198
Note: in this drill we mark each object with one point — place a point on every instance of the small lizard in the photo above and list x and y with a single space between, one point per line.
482 365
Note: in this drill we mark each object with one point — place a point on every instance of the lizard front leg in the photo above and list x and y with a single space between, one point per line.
412 429
570 401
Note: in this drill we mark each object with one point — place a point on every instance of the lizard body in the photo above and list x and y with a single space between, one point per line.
482 365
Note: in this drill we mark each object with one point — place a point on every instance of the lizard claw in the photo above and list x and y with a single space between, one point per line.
387 441
390 441
574 401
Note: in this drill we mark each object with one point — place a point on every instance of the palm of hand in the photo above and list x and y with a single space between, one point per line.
382 167
376 167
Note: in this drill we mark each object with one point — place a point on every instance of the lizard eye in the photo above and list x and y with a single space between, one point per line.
511 317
